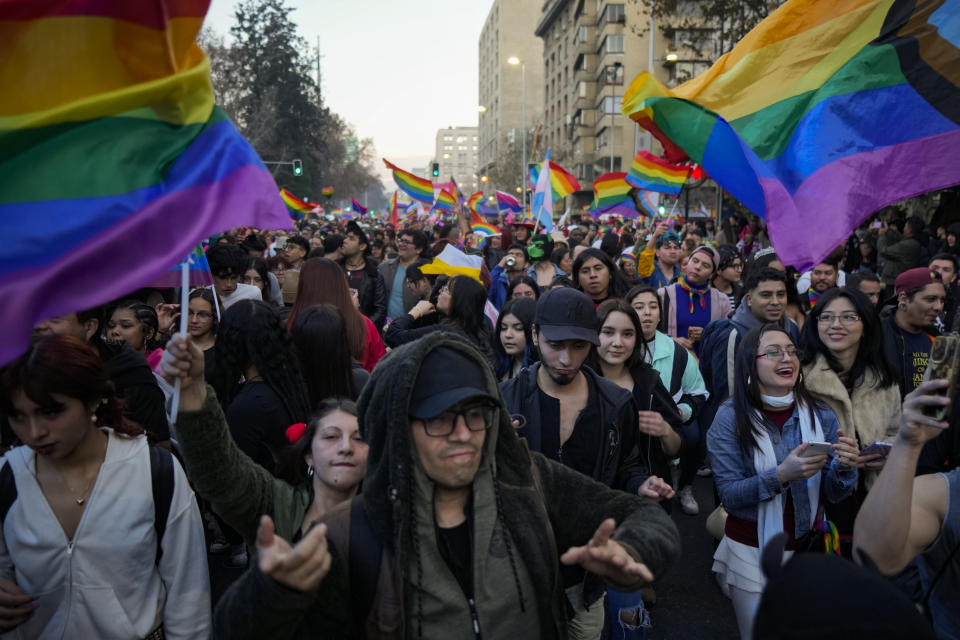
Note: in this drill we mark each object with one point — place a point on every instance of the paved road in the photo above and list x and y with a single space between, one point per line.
689 606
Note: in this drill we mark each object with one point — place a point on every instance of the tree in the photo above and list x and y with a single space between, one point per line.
264 81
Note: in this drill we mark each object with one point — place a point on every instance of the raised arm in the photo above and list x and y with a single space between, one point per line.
902 514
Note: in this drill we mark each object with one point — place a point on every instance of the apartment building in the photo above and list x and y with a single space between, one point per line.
456 153
510 65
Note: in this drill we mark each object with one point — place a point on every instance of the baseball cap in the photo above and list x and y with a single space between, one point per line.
913 279
446 377
566 314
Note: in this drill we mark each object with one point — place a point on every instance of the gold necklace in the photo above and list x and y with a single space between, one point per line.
86 492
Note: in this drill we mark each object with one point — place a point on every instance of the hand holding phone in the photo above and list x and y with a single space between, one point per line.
816 449
943 364
877 448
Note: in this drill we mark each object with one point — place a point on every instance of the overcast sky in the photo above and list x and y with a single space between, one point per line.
396 70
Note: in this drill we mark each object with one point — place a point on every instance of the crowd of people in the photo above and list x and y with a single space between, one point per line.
393 452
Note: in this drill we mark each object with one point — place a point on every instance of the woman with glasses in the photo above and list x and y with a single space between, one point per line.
202 318
729 273
768 480
845 367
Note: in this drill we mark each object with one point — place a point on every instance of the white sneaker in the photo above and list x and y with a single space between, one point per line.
704 472
687 502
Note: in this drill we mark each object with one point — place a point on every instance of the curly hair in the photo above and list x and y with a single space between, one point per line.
67 366
251 332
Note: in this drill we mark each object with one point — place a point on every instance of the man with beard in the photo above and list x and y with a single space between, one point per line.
824 276
574 416
909 330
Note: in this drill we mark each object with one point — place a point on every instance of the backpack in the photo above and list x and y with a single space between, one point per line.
161 472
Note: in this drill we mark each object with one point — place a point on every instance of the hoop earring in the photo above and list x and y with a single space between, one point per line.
748 380
309 471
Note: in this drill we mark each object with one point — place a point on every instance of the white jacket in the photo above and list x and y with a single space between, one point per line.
104 584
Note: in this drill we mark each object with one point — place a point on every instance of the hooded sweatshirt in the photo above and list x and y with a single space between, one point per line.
525 511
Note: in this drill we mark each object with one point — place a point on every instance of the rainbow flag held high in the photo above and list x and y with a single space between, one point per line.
823 114
115 161
611 189
484 229
656 174
506 202
561 180
417 188
197 266
359 208
445 201
327 192
296 207
475 204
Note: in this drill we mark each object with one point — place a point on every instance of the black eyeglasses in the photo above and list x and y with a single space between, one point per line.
776 352
477 418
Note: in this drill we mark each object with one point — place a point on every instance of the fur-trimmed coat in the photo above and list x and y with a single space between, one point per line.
872 412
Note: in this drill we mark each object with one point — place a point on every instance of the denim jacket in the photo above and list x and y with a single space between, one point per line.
741 489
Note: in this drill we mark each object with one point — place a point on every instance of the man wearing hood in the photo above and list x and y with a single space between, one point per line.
464 528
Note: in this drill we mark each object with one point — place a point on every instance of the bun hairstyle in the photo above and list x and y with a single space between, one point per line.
67 366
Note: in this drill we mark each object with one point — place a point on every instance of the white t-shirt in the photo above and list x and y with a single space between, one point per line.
242 292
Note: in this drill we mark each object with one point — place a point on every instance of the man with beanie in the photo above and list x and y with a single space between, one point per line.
578 418
691 304
458 529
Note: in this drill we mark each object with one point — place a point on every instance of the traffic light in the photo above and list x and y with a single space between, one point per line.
297 168
436 169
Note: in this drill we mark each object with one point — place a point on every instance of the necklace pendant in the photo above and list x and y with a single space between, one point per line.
80 501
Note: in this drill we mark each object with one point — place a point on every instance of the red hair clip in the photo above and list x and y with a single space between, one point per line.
295 432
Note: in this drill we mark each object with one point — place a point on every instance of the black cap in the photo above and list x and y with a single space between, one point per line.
566 314
446 377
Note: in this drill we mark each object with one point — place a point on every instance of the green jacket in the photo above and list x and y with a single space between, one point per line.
544 507
239 489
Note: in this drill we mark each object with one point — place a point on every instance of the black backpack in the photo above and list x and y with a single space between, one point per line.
161 472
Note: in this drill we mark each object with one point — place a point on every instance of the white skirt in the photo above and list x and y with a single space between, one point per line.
738 565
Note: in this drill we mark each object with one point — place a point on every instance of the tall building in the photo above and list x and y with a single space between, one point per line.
508 34
592 51
456 153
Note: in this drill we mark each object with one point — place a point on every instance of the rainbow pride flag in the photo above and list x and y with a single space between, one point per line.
823 114
359 208
296 207
327 192
115 162
610 189
445 201
475 203
656 174
484 229
417 188
562 181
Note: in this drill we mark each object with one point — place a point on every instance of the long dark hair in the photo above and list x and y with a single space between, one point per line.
467 301
636 359
263 270
252 333
323 281
67 366
207 295
618 284
747 404
523 279
524 309
869 355
645 288
292 466
319 337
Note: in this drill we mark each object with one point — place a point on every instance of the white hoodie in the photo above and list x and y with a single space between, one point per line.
104 584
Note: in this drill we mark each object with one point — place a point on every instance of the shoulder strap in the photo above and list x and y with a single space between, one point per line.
365 553
8 491
679 366
161 475
731 354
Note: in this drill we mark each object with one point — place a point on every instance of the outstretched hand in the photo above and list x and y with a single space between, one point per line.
606 557
301 567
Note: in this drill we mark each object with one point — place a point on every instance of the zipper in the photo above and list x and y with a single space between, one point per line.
474 618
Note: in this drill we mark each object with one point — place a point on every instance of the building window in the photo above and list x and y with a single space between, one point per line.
608 105
611 74
613 13
612 44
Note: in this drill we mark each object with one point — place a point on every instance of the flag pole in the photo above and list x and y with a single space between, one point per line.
184 312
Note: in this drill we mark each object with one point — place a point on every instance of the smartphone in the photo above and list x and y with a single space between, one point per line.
815 449
883 448
877 224
944 364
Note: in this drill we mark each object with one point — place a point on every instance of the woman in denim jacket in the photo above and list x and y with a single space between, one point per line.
756 444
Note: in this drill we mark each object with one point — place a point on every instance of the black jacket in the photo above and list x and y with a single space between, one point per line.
372 293
619 465
143 400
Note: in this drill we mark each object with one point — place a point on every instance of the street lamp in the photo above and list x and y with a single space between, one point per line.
611 72
481 109
514 60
